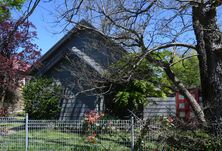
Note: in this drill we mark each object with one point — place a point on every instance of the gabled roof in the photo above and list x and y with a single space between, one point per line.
81 24
87 59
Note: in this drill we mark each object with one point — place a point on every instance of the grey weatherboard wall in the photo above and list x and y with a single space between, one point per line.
75 62
160 107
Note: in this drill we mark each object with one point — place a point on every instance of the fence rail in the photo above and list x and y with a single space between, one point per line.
53 135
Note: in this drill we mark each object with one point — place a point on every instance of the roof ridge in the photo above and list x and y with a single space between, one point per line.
82 24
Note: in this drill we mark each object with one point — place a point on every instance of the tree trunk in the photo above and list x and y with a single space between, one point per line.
195 106
209 49
2 98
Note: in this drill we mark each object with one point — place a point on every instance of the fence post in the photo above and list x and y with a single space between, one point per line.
132 133
26 132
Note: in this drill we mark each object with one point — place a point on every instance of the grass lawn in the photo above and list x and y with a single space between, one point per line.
45 138
54 140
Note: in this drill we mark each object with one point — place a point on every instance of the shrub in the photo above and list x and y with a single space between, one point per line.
41 97
173 134
194 140
90 125
90 122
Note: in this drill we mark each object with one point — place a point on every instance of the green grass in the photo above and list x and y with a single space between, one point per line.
10 125
54 140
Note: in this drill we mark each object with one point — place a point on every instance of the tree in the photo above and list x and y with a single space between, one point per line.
7 5
41 97
148 81
187 71
17 51
153 25
209 47
131 94
185 67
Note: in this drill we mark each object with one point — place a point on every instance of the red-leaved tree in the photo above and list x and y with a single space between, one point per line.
17 53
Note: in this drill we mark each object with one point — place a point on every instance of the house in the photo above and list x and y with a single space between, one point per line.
77 62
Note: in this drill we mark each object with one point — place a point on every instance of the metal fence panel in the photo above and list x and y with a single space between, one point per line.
12 134
54 135
74 135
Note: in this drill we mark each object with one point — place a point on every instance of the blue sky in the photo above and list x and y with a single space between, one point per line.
48 31
44 20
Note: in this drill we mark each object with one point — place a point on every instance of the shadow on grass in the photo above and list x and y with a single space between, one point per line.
120 141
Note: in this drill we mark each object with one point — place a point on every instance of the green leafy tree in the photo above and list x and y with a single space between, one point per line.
7 5
149 81
188 71
41 97
134 96
132 93
185 67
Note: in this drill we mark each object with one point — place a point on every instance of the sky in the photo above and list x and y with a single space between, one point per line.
48 32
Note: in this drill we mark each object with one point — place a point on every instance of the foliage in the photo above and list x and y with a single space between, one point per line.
185 67
12 3
96 129
92 117
132 86
109 117
125 68
90 122
10 97
7 5
172 134
135 94
187 71
90 125
193 140
17 51
42 98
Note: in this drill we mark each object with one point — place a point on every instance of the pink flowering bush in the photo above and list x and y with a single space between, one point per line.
90 125
92 117
92 138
